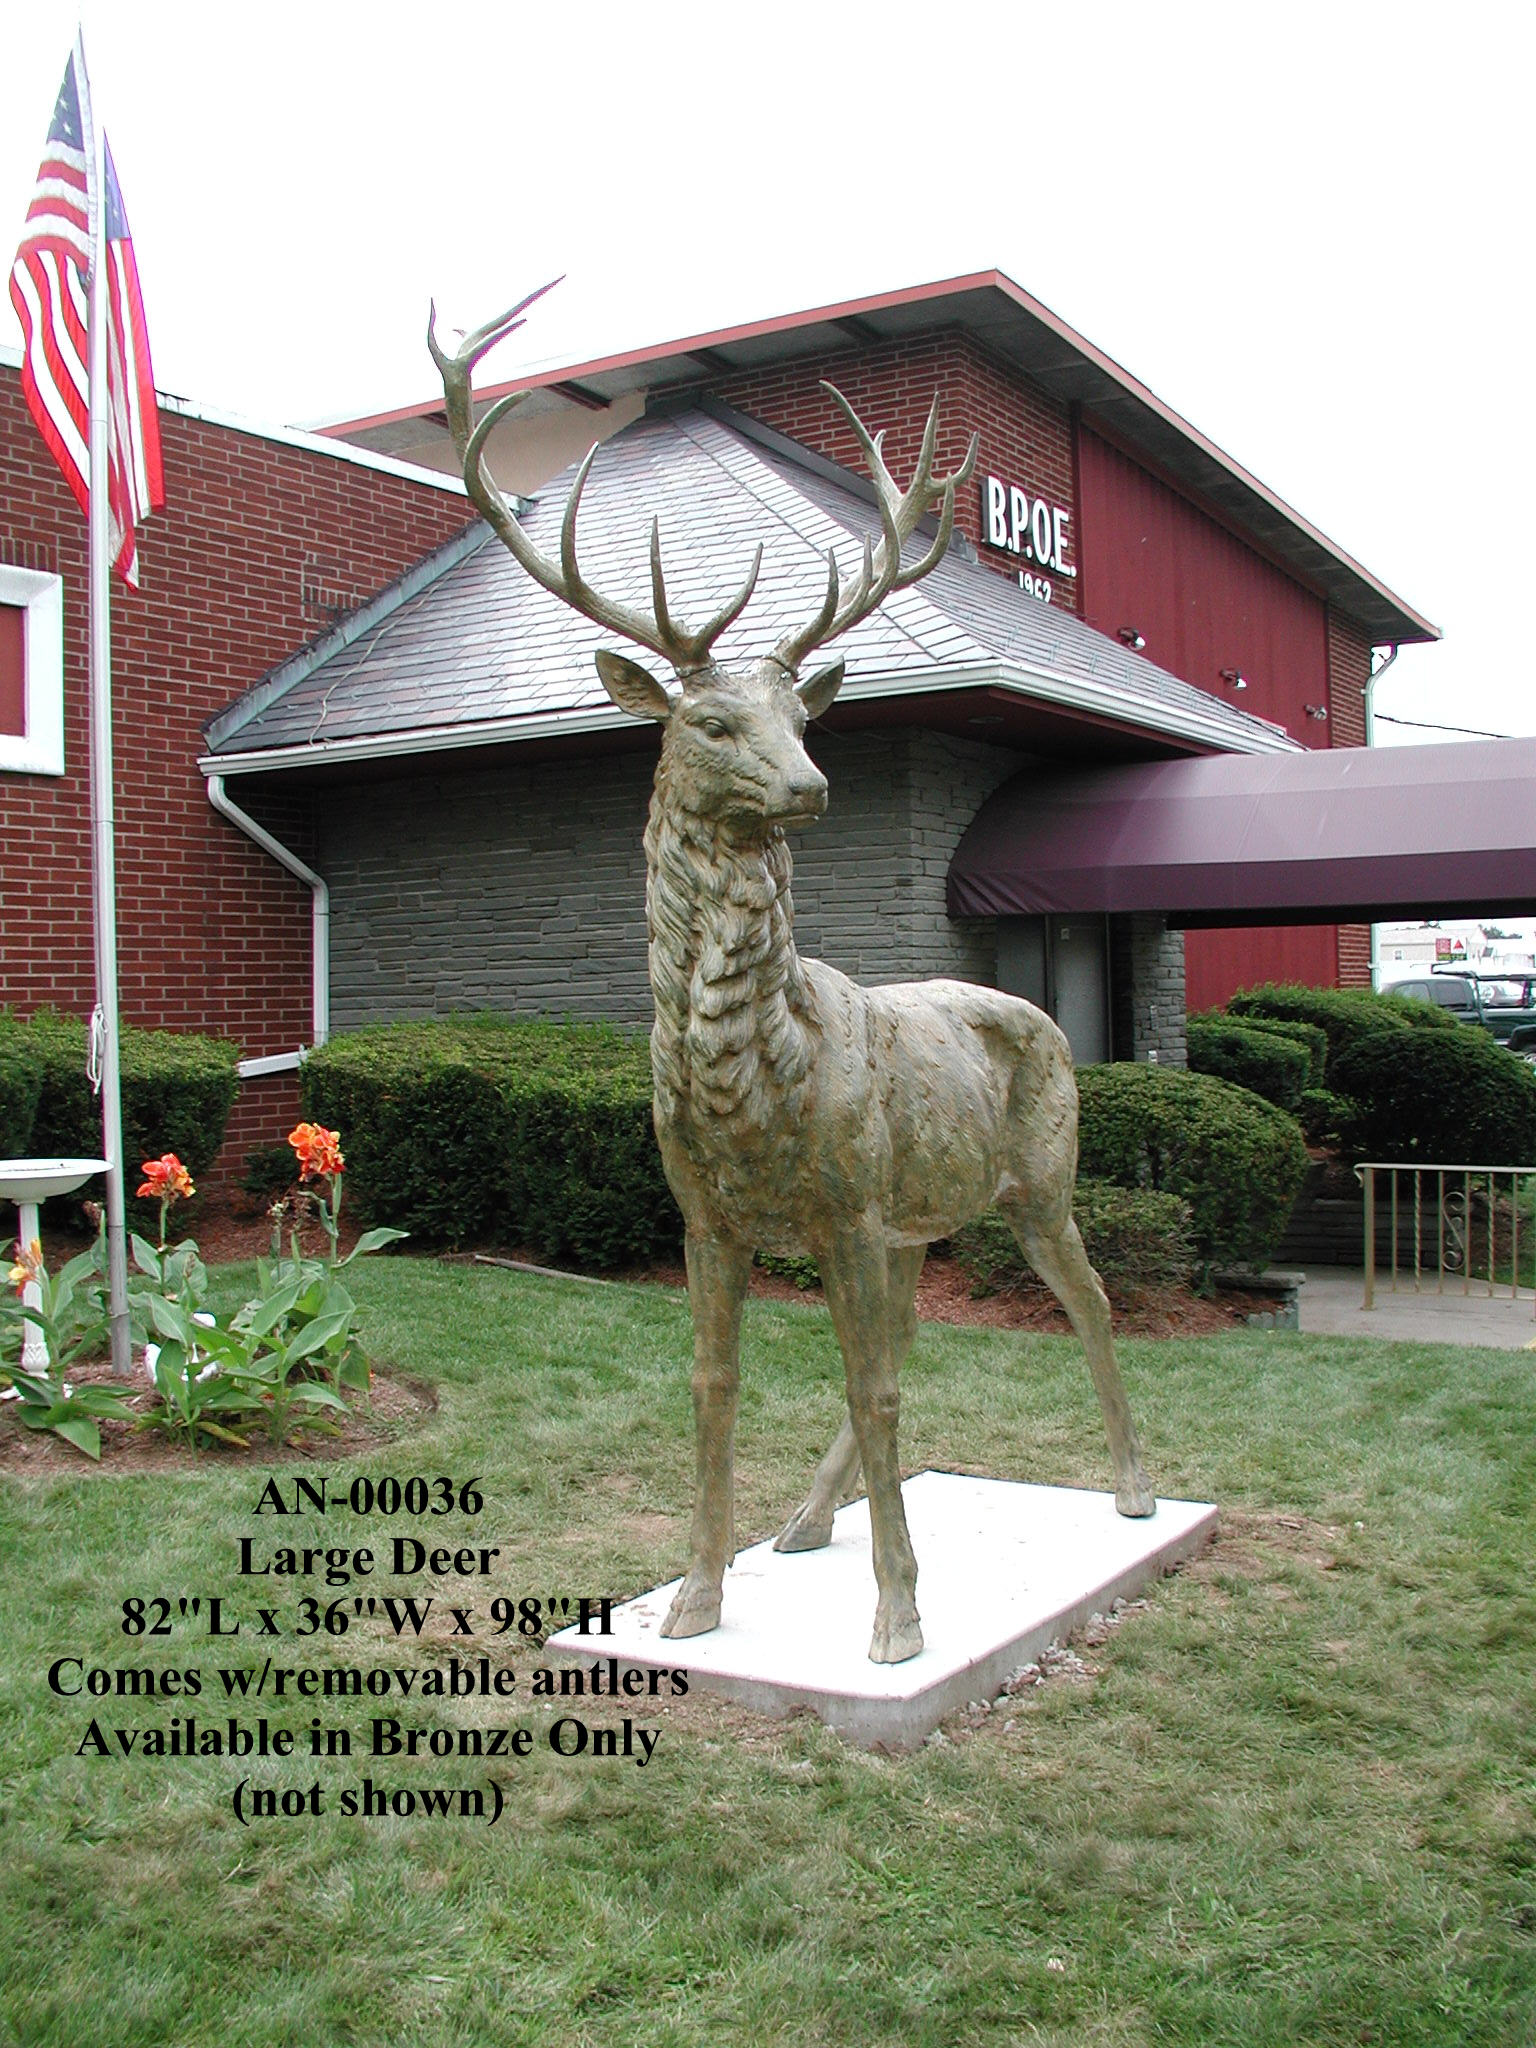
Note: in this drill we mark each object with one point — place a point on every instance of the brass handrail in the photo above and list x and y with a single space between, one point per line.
1455 1247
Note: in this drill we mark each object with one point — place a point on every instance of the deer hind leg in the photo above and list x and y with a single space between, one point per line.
717 1287
1063 1265
855 1271
810 1526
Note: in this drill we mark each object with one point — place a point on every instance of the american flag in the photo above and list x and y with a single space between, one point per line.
50 291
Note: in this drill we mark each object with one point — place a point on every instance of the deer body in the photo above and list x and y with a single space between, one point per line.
800 1113
796 1111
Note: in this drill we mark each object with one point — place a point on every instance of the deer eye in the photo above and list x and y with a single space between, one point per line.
714 729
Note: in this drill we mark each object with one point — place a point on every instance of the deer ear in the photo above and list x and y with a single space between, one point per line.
819 690
633 688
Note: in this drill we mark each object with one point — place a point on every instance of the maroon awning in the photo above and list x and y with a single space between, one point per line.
1340 834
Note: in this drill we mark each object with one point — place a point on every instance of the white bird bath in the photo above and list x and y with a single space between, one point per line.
26 1182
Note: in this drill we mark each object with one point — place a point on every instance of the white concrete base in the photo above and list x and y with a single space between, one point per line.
1003 1570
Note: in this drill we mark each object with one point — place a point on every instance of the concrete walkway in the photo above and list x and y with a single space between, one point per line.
1331 1307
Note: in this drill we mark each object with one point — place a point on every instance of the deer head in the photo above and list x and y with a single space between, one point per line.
732 746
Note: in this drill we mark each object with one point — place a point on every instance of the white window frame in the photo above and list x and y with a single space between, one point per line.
39 749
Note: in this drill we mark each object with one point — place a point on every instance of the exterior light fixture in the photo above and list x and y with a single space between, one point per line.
1315 710
1132 638
1234 679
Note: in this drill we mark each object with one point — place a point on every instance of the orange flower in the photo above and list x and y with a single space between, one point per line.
28 1266
319 1150
166 1179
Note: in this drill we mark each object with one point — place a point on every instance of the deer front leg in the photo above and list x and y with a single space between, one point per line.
717 1286
1063 1265
810 1526
856 1276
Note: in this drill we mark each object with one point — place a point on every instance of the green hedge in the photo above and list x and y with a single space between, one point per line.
21 1082
1134 1237
1312 1036
1234 1158
1266 1062
1344 1015
1448 1097
177 1092
500 1130
1331 1122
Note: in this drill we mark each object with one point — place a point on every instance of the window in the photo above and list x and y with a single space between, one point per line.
31 672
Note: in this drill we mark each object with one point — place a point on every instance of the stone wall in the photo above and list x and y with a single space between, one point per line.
1146 973
522 887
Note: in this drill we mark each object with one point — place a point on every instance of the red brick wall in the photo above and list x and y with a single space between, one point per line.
1349 670
260 546
1026 437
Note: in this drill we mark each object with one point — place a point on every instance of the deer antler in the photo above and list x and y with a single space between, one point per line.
881 571
661 633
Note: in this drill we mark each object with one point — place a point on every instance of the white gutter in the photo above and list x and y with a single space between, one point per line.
1029 681
320 929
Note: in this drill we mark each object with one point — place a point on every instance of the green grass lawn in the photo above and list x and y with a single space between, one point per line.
1291 1801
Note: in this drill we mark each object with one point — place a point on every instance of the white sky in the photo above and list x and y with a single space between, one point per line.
1306 227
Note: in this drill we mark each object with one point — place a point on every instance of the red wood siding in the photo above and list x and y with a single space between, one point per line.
13 669
1201 599
1219 961
259 543
1205 601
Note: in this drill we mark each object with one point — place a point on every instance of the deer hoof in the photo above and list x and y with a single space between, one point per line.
893 1642
1134 1496
695 1610
804 1531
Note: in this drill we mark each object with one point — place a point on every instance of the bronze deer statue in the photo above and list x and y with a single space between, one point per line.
796 1111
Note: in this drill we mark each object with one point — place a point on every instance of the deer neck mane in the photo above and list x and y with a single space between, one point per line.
730 1039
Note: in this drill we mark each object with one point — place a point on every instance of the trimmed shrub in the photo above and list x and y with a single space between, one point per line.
21 1082
1312 1036
487 1129
1135 1239
1448 1097
177 1090
1234 1158
1344 1015
1331 1122
270 1171
1269 1064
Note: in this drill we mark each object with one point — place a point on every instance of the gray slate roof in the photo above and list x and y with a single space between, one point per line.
466 647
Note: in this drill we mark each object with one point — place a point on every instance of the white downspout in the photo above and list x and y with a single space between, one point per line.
1369 694
320 926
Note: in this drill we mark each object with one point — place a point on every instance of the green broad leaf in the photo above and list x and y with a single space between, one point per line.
170 1366
170 1320
226 1436
372 1241
82 1433
353 1371
314 1395
264 1315
312 1301
34 1388
337 1301
316 1336
97 1400
83 1264
145 1256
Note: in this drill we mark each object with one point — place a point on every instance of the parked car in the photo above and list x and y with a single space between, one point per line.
1503 1004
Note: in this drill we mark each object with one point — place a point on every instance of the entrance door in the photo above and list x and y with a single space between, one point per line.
1061 963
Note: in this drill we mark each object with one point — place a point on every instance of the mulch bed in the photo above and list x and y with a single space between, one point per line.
396 1404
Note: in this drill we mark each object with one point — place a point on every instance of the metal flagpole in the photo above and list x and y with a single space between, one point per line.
104 1033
